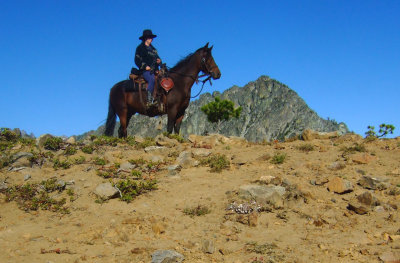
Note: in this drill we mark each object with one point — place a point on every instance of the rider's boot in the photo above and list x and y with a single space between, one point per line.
149 98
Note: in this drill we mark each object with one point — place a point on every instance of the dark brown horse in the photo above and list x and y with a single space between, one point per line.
127 103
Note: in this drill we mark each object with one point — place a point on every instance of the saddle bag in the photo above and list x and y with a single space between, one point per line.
167 83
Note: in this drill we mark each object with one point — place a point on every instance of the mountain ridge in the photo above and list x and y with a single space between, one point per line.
271 110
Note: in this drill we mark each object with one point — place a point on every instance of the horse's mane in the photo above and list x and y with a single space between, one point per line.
184 60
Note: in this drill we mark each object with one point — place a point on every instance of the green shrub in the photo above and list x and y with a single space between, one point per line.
355 148
137 162
148 141
99 161
130 189
199 210
278 158
53 143
70 150
108 141
57 164
80 160
88 149
36 196
305 147
216 162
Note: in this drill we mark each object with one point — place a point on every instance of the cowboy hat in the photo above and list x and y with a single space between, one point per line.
147 34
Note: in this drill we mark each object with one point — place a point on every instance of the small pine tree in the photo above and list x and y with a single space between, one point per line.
220 110
384 129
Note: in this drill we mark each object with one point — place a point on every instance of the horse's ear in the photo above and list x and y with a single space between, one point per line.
211 48
206 46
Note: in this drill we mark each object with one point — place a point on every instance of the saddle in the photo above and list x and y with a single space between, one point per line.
162 77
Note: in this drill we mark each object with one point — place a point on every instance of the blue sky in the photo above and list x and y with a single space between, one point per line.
59 59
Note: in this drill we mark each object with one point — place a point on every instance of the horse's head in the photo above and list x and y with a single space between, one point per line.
208 65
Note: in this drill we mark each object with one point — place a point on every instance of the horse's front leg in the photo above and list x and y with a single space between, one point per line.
178 123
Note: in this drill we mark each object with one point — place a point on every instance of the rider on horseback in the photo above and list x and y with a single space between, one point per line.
147 60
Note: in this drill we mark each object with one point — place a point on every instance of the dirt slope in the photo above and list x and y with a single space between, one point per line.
308 223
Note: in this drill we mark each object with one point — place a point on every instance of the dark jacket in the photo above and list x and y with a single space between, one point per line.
146 56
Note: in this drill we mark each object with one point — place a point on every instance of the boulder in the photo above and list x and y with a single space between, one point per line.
106 191
263 194
372 183
309 135
42 139
208 246
185 160
201 152
71 140
363 158
156 150
166 256
339 185
368 199
357 207
162 140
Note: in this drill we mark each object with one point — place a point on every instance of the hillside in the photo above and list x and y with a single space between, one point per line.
271 111
207 199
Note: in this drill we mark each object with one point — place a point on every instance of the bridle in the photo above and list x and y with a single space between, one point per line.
207 74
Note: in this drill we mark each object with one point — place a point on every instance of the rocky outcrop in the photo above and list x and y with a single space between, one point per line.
271 110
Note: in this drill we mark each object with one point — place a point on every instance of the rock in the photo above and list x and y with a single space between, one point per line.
156 150
127 166
185 160
139 139
269 179
379 209
173 169
106 191
363 158
157 159
60 184
339 185
390 257
321 181
336 166
20 155
71 140
208 246
368 199
240 159
162 140
3 186
201 152
263 194
158 228
253 218
166 256
358 208
27 177
21 159
42 139
309 135
372 183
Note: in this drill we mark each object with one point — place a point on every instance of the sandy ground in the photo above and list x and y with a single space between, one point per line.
312 224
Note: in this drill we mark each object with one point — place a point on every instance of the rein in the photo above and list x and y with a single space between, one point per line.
197 78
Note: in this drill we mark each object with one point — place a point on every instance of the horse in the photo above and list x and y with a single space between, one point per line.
184 74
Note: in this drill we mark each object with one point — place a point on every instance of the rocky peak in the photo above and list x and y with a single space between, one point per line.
271 110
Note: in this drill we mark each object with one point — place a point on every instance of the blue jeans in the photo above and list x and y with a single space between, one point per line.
151 79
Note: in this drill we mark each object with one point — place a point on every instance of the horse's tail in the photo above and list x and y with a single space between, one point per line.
111 120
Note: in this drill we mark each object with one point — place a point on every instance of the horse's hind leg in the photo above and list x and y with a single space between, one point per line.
123 119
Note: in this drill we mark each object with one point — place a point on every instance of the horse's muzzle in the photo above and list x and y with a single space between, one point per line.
216 74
